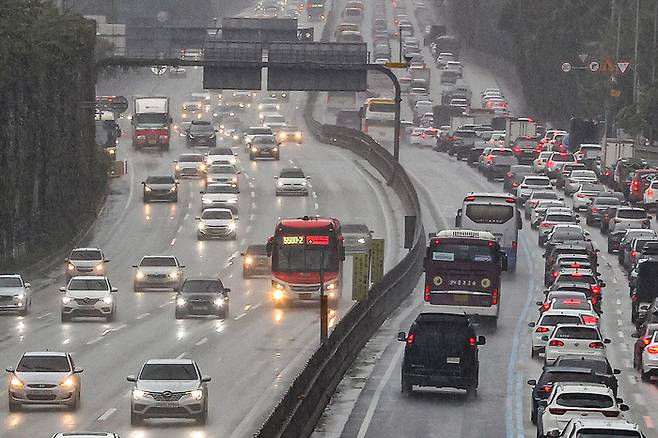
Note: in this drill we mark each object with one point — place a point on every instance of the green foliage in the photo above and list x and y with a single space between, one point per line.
51 172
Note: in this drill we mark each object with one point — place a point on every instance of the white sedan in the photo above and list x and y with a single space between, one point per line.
423 137
584 340
545 326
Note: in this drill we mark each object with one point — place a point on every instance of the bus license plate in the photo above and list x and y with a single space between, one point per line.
454 360
461 299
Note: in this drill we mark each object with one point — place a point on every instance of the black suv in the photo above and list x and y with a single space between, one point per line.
442 351
202 296
200 133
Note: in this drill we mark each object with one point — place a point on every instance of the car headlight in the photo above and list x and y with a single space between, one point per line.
99 267
173 188
232 201
277 286
202 167
67 383
261 116
274 149
184 115
112 151
254 149
219 302
147 189
235 137
304 183
66 300
140 275
178 167
107 300
19 297
70 267
173 274
16 382
206 201
138 393
279 183
331 286
197 394
233 160
278 294
232 226
202 226
234 179
181 301
248 260
214 114
361 240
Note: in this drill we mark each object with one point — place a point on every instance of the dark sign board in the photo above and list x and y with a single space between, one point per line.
259 29
294 78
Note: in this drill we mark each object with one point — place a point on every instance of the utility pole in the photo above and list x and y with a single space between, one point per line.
655 41
636 91
324 303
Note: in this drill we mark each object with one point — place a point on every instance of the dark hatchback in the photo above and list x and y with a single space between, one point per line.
441 350
160 188
599 208
204 296
201 133
255 261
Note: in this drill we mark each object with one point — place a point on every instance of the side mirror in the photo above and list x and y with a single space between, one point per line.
135 266
131 378
276 177
649 217
635 335
106 260
27 285
62 289
481 340
114 289
402 336
539 303
77 370
531 324
619 400
603 284
532 382
10 369
203 192
544 338
181 266
198 218
227 290
308 177
205 379
66 259
606 341
624 407
616 371
143 182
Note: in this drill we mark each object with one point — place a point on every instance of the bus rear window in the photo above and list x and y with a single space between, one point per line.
489 214
382 107
454 252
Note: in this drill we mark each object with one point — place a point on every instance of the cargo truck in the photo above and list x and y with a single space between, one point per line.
516 127
151 122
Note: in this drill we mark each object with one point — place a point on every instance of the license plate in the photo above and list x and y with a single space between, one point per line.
461 299
39 392
198 307
151 141
166 404
455 360
304 296
86 306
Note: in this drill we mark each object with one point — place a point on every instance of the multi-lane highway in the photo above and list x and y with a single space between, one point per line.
254 353
378 408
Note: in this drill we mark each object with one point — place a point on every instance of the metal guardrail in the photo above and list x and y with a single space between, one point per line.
301 407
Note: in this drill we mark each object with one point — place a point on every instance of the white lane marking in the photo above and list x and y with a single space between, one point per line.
182 355
242 315
180 229
256 306
132 185
639 399
163 305
248 229
142 316
66 341
623 347
251 185
620 323
627 363
620 334
107 414
253 194
252 217
377 395
189 205
619 312
44 315
317 206
173 242
291 162
631 379
253 205
618 302
93 341
315 195
202 341
186 216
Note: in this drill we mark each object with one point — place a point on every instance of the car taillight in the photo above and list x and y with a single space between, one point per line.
611 413
514 244
581 195
410 339
606 217
545 225
546 388
590 320
510 174
494 296
650 192
472 341
426 295
596 290
557 411
556 343
596 344
541 329
594 300
517 150
633 253
646 341
635 186
554 274
563 153
652 350
515 184
546 306
634 298
594 209
550 164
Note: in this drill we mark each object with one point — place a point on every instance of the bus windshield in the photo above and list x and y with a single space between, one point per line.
489 214
295 253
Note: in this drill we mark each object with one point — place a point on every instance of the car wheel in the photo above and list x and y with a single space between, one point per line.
65 318
75 404
610 250
174 199
202 418
136 419
588 221
24 311
137 288
534 353
533 417
472 392
200 236
246 274
251 157
644 376
13 406
110 317
406 386
179 315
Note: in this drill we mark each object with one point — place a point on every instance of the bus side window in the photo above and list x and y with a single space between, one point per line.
458 218
503 260
427 258
519 220
342 253
269 247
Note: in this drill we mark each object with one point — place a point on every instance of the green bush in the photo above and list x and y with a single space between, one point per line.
51 172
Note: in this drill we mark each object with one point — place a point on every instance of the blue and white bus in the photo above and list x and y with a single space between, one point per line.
496 213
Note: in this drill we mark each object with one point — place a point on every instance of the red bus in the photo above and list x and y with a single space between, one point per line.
304 251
